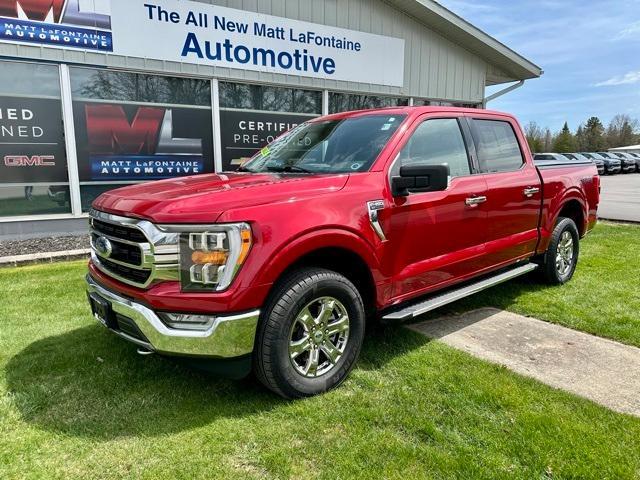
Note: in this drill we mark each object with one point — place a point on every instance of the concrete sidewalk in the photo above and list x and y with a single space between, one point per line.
44 257
601 370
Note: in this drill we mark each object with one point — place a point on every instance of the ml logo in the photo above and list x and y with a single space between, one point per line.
67 12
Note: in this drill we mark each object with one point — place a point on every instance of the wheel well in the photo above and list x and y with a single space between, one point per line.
344 262
573 210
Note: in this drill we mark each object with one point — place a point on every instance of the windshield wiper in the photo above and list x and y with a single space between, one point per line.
289 168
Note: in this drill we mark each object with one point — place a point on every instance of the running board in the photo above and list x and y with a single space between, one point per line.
432 303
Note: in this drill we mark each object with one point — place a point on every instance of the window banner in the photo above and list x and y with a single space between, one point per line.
244 132
32 144
118 142
57 23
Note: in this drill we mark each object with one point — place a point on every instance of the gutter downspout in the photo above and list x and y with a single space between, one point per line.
502 92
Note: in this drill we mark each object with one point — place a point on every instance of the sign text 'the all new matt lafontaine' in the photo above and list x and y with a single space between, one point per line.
192 32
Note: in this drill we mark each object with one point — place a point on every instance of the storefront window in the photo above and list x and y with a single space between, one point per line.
134 87
132 127
33 170
252 116
271 99
35 199
344 102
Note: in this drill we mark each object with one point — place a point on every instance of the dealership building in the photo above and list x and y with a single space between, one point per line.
96 94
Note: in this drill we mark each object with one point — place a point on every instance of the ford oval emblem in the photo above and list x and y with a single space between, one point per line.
103 247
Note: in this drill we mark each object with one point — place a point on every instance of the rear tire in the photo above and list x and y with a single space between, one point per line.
310 333
560 260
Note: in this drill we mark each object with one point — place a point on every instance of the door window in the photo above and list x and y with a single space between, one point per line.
437 142
497 146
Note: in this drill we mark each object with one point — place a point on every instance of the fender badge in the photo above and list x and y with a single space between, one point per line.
373 208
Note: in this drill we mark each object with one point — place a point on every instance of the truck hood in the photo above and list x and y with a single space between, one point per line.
203 198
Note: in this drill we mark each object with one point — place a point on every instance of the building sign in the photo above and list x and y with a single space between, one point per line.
198 33
193 32
244 132
141 142
32 148
59 23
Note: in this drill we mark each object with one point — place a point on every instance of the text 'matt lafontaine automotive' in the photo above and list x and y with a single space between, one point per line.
385 213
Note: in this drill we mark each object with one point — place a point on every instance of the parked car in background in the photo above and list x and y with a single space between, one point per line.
558 157
611 166
579 157
628 157
276 267
637 157
627 165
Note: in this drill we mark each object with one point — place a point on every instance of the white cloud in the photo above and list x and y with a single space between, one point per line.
626 79
630 31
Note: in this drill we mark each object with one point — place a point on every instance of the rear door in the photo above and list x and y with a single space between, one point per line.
514 189
436 238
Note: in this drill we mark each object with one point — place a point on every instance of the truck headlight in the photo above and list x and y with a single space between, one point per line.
210 259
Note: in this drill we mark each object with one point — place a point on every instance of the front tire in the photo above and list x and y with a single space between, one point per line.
561 258
310 333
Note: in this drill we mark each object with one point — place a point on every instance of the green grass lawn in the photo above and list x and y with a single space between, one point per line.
77 402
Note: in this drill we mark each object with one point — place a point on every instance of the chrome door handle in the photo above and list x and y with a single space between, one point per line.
475 200
531 191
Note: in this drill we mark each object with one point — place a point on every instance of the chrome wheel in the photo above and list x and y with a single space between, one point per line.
564 254
318 337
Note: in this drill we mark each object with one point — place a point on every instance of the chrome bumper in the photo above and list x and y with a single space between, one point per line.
230 335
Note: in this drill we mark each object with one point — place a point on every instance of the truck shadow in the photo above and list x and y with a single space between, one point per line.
89 383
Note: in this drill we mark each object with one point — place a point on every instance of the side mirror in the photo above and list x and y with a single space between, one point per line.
420 178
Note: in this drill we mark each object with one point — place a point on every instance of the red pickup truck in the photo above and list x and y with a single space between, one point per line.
373 214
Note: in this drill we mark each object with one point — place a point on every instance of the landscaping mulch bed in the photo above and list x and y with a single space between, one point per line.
42 245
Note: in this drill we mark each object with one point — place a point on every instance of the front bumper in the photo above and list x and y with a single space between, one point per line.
230 336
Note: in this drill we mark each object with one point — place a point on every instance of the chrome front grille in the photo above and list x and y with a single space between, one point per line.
139 253
125 252
130 234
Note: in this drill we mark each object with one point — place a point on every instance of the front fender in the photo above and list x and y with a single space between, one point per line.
322 238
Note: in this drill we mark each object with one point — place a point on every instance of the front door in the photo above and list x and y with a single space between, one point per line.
436 238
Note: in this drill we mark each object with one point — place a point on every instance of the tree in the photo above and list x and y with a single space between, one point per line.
594 135
621 131
581 142
534 137
564 141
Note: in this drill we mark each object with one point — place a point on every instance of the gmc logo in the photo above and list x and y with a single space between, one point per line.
149 133
68 12
27 161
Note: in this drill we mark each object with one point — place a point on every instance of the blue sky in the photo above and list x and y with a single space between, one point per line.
589 51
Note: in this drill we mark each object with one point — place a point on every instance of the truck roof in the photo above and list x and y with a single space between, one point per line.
413 111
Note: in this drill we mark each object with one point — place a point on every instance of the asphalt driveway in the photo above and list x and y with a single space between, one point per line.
620 197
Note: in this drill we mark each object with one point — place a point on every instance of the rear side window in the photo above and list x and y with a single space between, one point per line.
436 142
497 146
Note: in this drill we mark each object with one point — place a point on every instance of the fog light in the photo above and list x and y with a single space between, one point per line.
179 321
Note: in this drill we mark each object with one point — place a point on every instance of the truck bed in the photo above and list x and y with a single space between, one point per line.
574 181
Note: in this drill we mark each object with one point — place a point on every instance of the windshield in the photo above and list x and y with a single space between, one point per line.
332 146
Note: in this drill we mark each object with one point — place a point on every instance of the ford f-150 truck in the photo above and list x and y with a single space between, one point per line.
382 214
